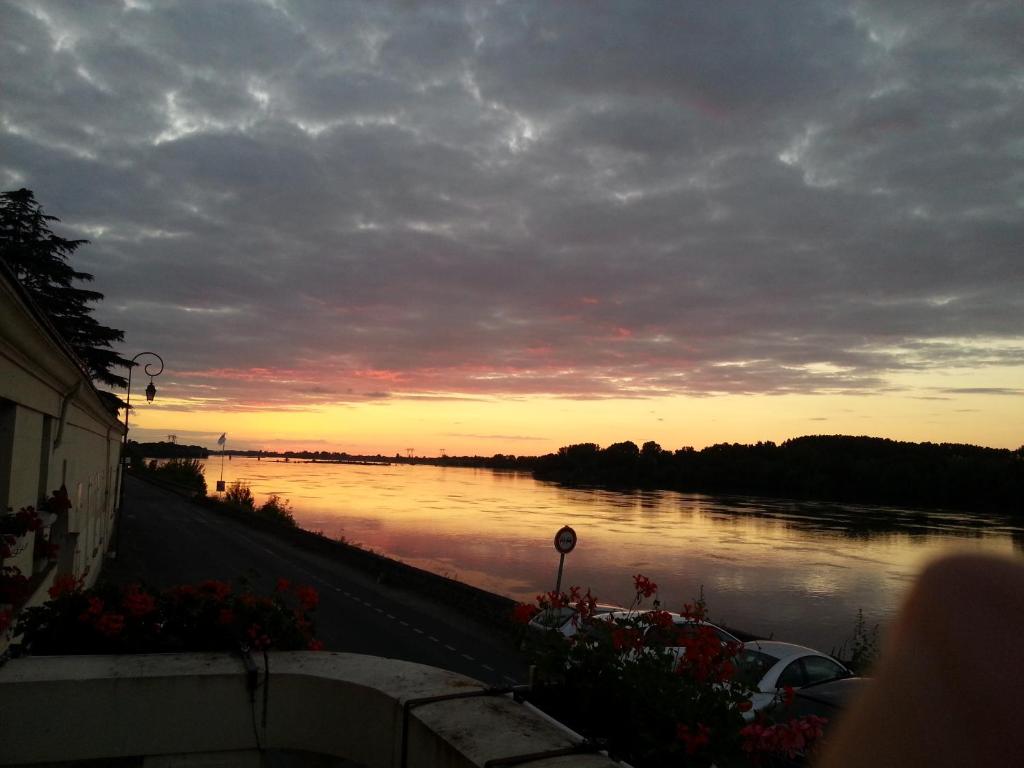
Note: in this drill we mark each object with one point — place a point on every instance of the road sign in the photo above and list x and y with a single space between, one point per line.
565 540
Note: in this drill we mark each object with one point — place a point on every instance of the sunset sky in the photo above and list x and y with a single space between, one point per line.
505 227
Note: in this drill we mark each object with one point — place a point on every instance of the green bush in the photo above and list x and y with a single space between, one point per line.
239 496
274 508
187 472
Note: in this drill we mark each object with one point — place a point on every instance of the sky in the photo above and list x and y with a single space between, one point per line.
506 227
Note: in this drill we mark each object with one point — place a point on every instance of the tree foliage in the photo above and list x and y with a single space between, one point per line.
39 260
823 467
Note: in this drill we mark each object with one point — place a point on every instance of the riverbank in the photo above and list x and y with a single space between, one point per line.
481 605
167 540
477 604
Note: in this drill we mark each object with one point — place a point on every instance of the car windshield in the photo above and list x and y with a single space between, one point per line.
553 618
751 666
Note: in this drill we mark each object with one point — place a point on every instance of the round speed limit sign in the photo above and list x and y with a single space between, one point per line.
565 540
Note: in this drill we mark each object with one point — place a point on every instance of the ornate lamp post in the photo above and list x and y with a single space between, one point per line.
150 394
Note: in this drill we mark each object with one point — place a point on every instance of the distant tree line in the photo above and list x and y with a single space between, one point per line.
497 461
164 450
825 467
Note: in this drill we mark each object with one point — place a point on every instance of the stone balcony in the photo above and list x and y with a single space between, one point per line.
322 709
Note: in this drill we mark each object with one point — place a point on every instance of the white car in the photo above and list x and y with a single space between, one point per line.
769 667
686 627
566 621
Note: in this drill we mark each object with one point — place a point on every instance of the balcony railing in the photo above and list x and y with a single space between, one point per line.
318 708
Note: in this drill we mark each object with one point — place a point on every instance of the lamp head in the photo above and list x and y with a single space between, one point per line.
150 392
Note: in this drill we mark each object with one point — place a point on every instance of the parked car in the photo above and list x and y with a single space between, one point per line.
565 620
769 667
684 628
828 700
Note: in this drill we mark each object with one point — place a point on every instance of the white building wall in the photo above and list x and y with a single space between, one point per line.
54 431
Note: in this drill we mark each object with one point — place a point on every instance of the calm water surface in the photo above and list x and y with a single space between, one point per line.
795 570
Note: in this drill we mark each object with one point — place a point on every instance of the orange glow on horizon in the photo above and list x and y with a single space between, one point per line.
533 425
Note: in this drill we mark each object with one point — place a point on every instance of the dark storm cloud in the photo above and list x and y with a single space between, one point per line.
363 201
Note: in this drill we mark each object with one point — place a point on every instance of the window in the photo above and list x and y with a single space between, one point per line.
793 675
819 669
751 666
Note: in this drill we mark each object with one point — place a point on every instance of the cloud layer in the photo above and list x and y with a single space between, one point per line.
356 201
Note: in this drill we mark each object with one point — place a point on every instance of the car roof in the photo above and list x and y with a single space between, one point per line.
783 650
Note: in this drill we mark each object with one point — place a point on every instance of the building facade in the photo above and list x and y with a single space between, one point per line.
57 434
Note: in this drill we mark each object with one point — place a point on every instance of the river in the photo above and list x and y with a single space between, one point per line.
797 571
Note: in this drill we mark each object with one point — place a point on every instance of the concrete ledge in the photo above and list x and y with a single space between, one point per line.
197 709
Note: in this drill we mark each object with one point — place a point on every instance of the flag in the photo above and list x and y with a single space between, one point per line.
222 439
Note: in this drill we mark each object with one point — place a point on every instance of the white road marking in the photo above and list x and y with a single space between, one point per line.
488 667
467 657
417 630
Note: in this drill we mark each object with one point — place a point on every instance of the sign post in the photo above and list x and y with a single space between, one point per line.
565 542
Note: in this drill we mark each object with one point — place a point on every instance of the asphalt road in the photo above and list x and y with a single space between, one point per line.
166 540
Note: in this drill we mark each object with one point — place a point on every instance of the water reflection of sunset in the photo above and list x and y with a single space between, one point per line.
800 571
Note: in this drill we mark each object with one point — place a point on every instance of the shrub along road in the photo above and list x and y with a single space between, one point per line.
167 540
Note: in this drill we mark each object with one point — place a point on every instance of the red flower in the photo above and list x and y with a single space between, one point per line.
315 645
627 639
694 740
218 590
789 738
182 592
787 695
644 586
523 612
697 611
660 619
95 609
811 726
226 617
552 600
283 585
64 585
136 602
744 706
308 597
110 624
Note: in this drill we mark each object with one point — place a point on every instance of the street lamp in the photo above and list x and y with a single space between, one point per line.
150 394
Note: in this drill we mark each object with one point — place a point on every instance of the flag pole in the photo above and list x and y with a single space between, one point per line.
222 441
